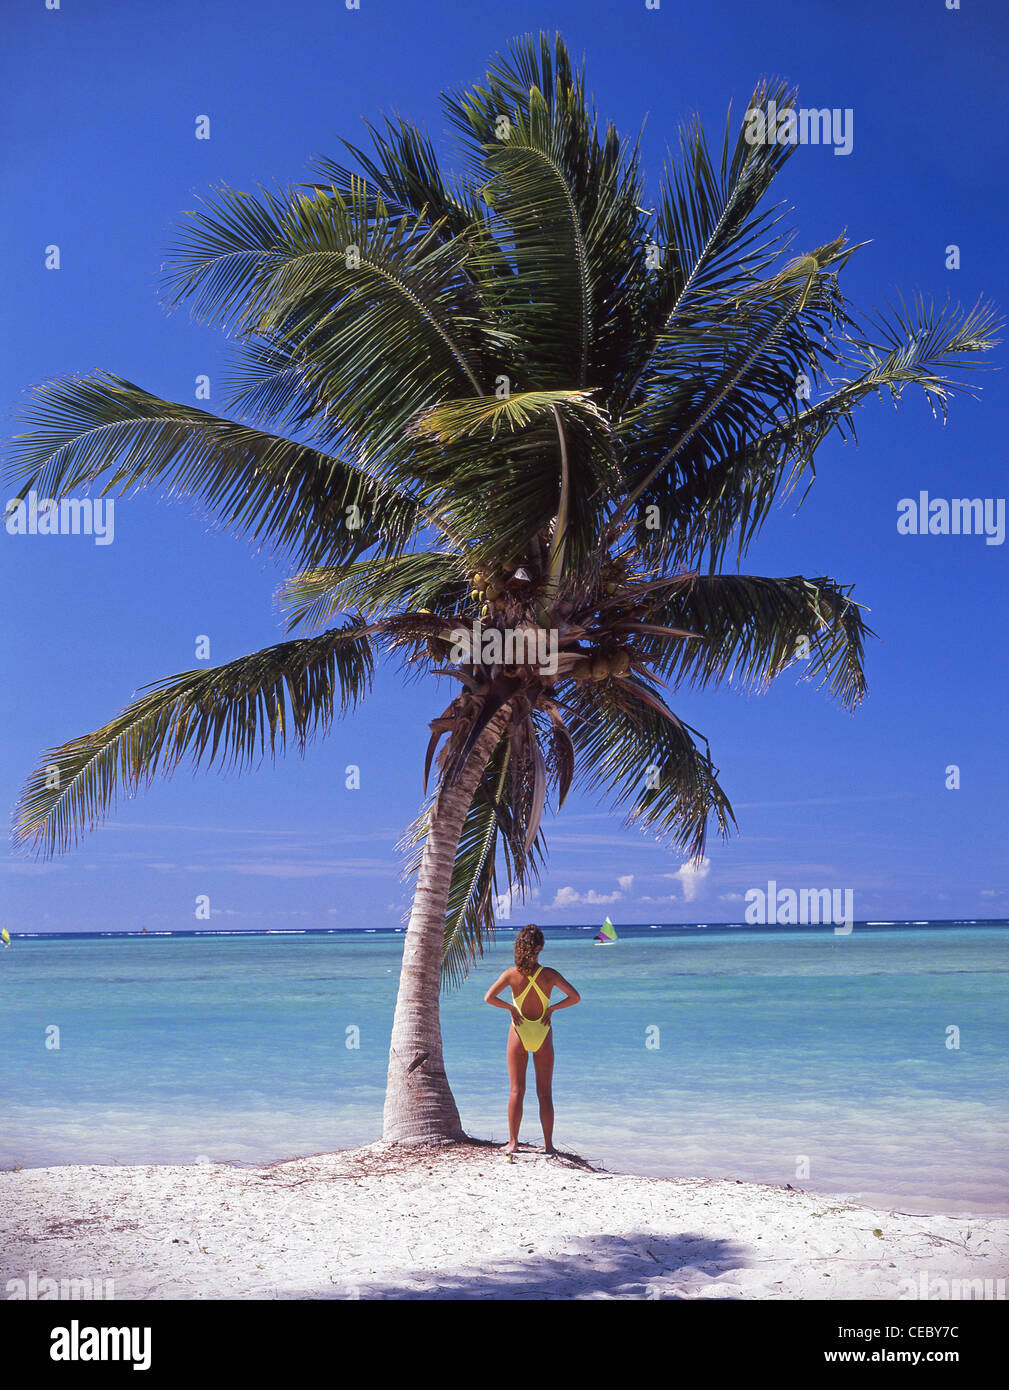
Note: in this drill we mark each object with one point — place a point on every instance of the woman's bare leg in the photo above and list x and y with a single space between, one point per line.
543 1061
518 1060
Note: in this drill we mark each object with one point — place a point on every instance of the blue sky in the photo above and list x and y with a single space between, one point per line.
100 157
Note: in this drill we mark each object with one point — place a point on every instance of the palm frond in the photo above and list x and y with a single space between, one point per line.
377 586
727 489
381 311
561 257
772 306
648 761
107 432
402 175
753 628
226 715
711 236
450 421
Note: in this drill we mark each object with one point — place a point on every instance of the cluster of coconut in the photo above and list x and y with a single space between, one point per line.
614 660
601 665
487 591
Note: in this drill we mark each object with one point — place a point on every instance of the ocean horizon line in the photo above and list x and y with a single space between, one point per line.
626 927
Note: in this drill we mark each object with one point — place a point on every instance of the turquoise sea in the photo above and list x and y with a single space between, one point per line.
768 1046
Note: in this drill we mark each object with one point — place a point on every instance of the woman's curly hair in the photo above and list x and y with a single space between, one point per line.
527 943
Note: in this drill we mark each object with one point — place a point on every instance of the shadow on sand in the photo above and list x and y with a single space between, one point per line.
629 1265
632 1265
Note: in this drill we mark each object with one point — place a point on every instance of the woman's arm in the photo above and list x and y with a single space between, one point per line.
571 995
491 996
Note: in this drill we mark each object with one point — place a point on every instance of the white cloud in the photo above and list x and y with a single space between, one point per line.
691 878
569 897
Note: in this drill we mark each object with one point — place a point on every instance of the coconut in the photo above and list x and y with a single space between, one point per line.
621 663
600 668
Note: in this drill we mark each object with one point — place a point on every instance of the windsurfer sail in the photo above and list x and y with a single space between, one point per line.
5 936
606 935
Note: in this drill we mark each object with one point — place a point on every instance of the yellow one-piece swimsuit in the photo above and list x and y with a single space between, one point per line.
532 1031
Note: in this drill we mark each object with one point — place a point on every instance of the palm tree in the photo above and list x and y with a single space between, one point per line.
521 404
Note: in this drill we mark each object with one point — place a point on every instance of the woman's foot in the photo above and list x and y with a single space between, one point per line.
549 1149
511 1146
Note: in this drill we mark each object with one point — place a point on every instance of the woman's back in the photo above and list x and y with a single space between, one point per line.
526 990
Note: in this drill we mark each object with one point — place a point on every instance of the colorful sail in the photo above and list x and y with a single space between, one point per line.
606 933
5 936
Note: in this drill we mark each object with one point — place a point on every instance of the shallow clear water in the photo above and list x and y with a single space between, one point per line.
772 1046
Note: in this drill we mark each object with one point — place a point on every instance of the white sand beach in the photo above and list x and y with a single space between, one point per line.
461 1221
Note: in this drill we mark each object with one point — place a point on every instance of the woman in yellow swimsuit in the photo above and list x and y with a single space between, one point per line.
531 1030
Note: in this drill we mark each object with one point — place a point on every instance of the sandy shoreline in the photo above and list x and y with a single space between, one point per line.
461 1221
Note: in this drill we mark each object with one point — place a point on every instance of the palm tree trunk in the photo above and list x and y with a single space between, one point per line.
419 1105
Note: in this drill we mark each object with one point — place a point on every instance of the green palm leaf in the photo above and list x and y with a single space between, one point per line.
450 421
754 628
647 760
229 715
724 485
377 586
710 232
380 313
105 431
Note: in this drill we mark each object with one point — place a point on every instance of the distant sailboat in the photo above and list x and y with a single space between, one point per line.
5 936
606 935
